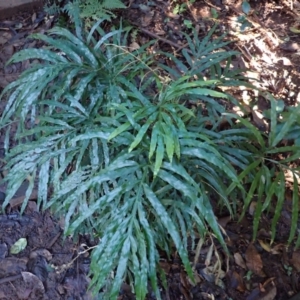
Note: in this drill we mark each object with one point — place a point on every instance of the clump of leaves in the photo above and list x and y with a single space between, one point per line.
275 157
129 164
125 151
90 9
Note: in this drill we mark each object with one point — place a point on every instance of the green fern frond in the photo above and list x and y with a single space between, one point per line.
99 9
52 9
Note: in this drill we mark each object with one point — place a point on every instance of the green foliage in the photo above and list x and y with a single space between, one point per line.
133 165
126 151
271 163
90 9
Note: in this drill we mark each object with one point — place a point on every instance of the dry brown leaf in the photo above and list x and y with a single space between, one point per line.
270 295
264 245
268 289
147 18
211 274
239 260
209 255
183 279
252 207
33 281
253 260
236 281
277 249
295 261
134 46
197 278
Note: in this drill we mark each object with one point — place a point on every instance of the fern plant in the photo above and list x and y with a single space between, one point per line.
86 9
100 9
124 151
271 162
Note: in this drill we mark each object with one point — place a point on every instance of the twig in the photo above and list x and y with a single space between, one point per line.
154 35
62 268
10 278
52 242
210 4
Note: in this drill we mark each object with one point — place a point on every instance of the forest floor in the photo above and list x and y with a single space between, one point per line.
267 34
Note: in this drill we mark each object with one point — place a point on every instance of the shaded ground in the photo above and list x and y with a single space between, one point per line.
47 268
270 47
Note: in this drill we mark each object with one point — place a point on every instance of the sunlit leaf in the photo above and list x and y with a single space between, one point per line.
286 127
119 130
141 133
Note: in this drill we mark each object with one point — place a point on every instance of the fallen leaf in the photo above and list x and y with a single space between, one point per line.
184 282
252 207
236 281
239 260
208 274
277 249
18 246
264 245
295 261
33 18
253 260
209 255
33 281
134 46
212 274
270 295
268 289
294 30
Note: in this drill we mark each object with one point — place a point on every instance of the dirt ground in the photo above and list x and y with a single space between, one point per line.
53 267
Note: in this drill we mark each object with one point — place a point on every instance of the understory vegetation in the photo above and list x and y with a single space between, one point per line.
84 9
134 151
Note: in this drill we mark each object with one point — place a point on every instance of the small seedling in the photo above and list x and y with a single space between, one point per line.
188 23
289 269
248 275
